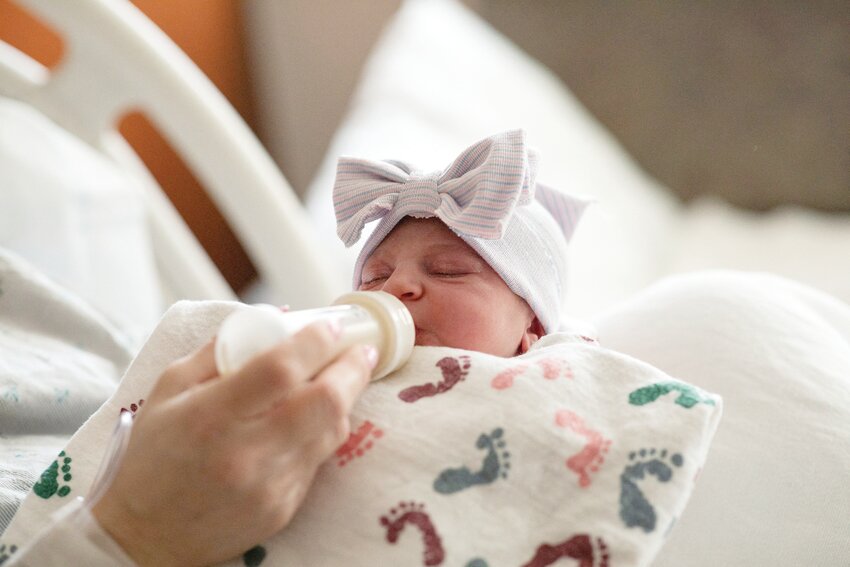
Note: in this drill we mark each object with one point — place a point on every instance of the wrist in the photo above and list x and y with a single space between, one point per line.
130 536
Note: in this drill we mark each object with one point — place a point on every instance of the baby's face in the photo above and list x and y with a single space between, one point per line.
455 297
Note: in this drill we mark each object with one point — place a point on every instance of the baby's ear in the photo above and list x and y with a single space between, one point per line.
531 335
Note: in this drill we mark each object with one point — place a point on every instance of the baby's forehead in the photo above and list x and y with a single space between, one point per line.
414 236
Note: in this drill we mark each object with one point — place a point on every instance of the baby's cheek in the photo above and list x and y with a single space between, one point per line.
483 330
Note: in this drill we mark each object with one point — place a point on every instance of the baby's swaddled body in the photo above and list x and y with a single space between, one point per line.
463 458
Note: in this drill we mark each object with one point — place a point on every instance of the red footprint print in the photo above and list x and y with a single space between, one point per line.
413 513
133 408
578 547
358 442
454 370
591 457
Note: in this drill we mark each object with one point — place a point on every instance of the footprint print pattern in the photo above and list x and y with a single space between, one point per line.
11 393
413 513
578 547
552 368
496 464
592 455
555 367
688 395
454 370
358 443
254 556
635 509
48 484
505 379
7 552
133 407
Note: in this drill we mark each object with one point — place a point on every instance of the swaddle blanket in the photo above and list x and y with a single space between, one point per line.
461 458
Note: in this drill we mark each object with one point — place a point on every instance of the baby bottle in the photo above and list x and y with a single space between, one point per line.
365 317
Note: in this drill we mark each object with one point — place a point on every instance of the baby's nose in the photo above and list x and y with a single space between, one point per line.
403 285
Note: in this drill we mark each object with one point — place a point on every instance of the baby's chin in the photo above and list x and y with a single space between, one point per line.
427 338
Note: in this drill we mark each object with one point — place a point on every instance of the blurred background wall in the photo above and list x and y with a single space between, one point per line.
746 100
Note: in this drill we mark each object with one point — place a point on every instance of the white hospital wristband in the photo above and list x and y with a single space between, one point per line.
74 537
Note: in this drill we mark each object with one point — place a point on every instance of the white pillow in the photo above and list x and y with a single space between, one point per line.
440 79
75 216
805 245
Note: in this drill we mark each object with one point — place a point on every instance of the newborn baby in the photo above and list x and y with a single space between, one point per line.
478 260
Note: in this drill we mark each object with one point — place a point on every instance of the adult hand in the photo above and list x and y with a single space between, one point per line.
216 464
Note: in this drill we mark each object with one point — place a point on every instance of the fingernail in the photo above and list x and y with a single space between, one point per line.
371 355
335 328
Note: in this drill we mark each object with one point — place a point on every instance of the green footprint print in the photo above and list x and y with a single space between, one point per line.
254 556
688 395
48 485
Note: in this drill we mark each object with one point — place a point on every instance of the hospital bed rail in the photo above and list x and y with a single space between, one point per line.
116 61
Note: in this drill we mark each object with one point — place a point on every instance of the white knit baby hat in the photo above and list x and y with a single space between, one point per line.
488 196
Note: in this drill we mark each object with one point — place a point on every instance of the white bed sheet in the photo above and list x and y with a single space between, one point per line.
78 218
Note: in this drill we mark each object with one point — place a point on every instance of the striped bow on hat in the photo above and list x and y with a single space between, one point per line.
475 195
488 196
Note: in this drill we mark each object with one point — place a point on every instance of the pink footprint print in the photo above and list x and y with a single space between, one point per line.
578 547
591 457
413 513
552 369
454 370
358 443
505 379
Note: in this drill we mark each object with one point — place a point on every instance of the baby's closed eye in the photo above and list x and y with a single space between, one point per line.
452 269
371 280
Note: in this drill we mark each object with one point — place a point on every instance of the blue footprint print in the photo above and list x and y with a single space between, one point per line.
635 509
496 464
7 552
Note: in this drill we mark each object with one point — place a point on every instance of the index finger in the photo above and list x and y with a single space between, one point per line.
316 415
269 377
185 372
